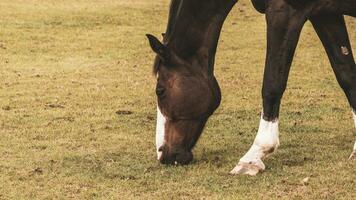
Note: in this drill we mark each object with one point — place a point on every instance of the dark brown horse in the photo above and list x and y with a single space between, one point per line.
188 92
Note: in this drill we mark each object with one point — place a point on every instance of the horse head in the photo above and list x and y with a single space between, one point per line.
186 98
187 91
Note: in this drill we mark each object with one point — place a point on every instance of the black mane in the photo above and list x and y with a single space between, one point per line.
172 18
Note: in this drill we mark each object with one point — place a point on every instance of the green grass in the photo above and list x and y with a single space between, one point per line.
67 67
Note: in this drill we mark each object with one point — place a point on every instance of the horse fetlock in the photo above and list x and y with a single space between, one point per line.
268 150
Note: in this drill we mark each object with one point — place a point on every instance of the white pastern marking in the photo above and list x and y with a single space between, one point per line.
354 116
265 143
160 128
353 154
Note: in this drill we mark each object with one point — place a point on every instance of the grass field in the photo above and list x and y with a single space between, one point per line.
77 109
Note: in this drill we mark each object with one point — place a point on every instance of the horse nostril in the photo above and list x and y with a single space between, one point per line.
160 149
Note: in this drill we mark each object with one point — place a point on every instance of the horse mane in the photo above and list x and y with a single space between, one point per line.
298 3
172 18
174 10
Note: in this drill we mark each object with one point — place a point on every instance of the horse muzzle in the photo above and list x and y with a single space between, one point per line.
181 157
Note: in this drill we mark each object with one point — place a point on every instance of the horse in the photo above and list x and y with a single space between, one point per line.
188 92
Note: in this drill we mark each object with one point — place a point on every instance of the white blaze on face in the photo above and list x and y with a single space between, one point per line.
160 128
266 142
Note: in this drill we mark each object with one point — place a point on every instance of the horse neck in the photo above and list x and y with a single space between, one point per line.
197 30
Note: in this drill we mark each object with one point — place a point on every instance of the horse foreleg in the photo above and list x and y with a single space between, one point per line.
284 25
332 31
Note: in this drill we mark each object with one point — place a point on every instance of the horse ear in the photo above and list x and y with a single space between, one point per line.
161 50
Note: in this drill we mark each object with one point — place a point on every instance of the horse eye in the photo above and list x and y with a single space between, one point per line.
160 91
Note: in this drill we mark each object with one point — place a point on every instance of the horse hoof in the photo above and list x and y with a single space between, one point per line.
246 169
353 156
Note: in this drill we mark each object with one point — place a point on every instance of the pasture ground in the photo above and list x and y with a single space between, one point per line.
77 109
